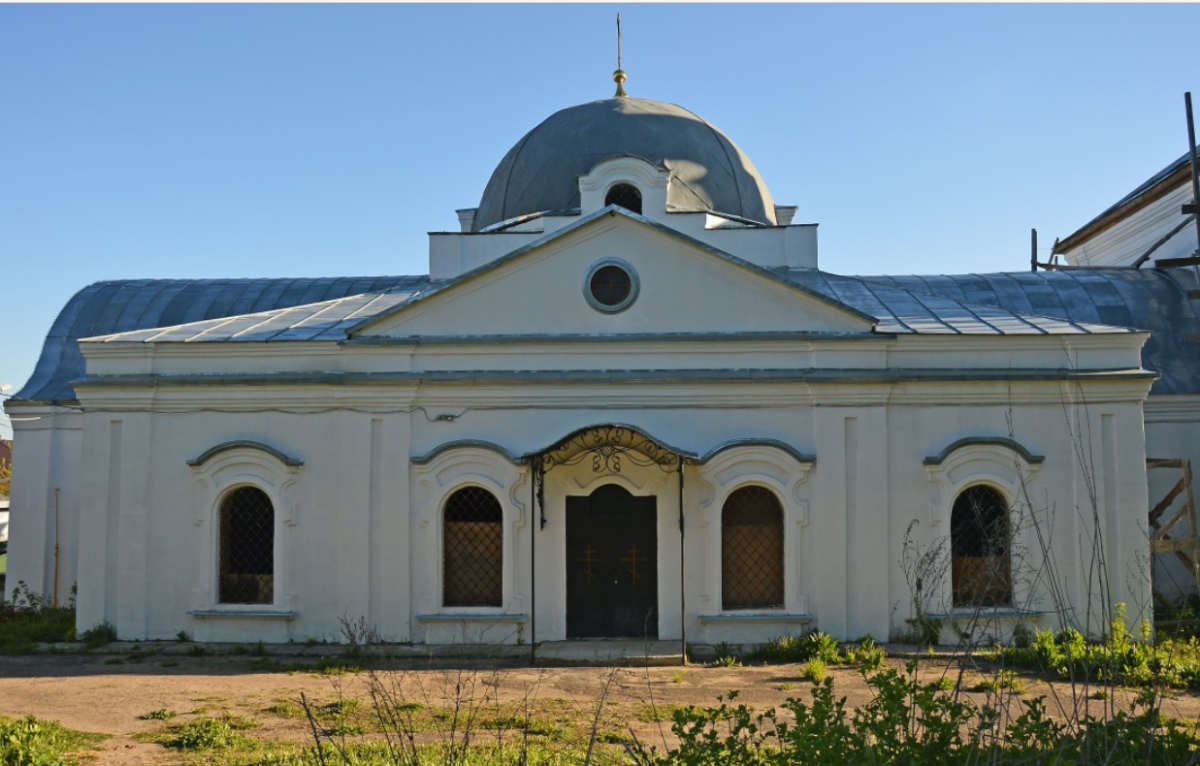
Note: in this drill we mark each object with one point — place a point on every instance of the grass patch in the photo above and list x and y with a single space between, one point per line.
333 666
1005 680
655 713
210 733
285 709
162 714
814 670
36 742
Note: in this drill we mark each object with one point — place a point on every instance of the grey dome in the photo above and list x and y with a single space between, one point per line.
541 172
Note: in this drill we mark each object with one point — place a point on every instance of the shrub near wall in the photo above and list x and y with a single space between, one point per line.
27 620
906 723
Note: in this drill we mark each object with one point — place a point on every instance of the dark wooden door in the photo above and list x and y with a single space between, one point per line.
612 565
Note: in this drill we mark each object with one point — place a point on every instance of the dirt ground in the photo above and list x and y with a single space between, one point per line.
94 693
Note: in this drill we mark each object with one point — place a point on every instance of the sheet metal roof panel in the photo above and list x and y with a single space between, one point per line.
1145 299
120 306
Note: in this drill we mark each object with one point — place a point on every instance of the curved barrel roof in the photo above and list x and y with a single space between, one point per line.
1062 302
105 308
1146 299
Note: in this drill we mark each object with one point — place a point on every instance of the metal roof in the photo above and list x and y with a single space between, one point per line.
105 308
1022 303
1147 299
542 171
903 310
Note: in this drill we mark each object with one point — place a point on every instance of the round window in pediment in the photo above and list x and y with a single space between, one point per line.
611 285
625 195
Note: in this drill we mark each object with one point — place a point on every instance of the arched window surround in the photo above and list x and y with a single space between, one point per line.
435 478
650 181
217 473
996 462
780 470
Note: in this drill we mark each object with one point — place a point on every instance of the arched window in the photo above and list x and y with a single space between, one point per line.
981 559
751 550
473 549
625 195
247 547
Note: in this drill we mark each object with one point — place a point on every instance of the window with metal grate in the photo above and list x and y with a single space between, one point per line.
473 549
981 561
247 547
751 550
625 195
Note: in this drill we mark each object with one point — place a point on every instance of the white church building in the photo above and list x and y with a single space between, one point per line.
625 402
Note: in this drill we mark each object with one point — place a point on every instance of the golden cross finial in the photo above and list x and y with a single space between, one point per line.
619 75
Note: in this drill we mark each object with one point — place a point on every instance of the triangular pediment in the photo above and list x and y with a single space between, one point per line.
682 286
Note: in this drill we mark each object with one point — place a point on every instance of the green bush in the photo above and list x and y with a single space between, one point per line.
814 670
1120 659
905 723
28 620
808 646
99 635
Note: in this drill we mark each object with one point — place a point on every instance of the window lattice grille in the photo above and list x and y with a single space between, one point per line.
473 549
751 550
981 563
247 548
625 195
611 285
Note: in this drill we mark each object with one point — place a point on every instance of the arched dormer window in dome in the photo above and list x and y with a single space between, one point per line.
625 195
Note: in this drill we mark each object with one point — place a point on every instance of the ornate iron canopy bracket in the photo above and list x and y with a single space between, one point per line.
609 448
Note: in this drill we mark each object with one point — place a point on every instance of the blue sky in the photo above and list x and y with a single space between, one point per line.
280 140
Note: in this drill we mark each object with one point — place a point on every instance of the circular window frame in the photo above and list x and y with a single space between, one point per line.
616 308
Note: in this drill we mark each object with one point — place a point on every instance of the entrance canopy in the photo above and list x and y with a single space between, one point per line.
609 448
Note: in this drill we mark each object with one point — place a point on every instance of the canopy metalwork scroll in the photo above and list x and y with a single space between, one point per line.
608 447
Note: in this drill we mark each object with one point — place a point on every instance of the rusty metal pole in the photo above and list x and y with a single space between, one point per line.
1191 126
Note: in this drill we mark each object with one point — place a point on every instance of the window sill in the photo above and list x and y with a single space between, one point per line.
469 617
242 614
757 617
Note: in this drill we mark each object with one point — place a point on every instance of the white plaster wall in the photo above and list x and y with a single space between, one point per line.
345 554
365 538
681 290
47 456
1092 476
